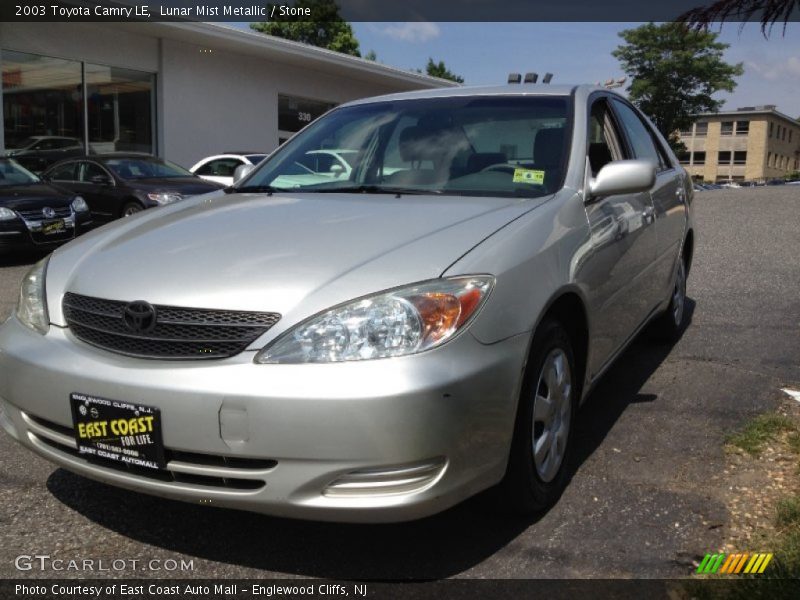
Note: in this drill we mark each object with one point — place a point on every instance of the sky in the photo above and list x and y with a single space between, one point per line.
484 53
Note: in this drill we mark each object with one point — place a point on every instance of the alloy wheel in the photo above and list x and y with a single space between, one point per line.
552 412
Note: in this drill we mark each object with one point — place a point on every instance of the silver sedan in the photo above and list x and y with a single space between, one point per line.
371 347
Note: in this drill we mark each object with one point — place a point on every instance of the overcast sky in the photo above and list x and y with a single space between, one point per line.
484 53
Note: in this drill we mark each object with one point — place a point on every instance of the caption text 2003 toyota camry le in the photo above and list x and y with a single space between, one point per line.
371 345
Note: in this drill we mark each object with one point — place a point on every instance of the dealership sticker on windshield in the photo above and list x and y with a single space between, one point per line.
117 431
528 176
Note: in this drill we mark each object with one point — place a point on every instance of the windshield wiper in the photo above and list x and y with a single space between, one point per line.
255 189
370 189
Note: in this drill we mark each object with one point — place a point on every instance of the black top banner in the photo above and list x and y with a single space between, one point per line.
373 10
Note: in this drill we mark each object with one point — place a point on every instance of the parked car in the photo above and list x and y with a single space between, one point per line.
220 168
34 215
119 185
370 348
38 152
776 181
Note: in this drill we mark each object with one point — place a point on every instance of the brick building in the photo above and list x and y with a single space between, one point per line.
753 143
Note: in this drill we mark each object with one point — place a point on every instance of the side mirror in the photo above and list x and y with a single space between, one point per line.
623 177
242 171
100 180
337 170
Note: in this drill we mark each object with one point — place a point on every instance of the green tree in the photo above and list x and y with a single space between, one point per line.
768 13
440 70
674 72
328 30
371 55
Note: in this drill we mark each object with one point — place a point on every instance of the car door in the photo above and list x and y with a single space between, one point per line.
668 197
623 244
64 176
98 188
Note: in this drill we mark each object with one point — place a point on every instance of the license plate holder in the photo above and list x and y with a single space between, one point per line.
52 227
127 433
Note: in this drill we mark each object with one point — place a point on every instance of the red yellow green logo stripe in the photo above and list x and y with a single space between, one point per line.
735 564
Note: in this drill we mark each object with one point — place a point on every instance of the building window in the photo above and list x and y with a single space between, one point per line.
42 105
687 132
701 129
770 129
698 158
790 135
783 136
43 108
119 110
724 158
727 128
295 113
740 158
684 157
742 127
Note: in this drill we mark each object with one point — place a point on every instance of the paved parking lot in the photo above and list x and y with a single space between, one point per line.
646 497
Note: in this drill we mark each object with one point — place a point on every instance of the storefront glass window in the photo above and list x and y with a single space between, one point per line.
119 109
42 105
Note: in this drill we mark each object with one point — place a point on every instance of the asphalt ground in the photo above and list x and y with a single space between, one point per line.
648 490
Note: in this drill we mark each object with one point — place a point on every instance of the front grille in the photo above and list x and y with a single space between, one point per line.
179 333
231 472
35 214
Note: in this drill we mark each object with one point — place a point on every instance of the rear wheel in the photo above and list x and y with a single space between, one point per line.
669 326
131 208
538 465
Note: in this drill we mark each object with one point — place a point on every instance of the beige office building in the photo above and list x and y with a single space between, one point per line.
754 143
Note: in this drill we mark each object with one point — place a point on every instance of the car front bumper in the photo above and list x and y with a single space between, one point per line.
371 441
16 234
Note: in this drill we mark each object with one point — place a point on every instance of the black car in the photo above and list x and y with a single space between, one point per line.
38 152
119 185
35 215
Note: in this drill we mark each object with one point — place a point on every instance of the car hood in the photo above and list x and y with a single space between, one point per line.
294 254
188 186
20 197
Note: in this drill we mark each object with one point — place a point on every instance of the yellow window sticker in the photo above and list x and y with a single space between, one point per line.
528 176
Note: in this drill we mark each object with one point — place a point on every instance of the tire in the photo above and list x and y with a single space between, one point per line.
131 208
538 471
669 326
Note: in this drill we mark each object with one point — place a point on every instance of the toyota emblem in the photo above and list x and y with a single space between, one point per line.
139 316
48 212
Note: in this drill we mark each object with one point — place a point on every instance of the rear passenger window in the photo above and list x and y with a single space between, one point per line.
639 136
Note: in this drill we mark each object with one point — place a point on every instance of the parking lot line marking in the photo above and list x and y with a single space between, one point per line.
793 393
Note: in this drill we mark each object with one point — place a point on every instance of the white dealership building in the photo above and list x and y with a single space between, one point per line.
178 90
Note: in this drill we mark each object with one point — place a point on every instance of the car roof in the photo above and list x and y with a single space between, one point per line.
516 89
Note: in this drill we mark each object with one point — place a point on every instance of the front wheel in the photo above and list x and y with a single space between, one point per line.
131 208
538 465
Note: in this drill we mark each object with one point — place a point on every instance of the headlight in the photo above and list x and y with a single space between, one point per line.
164 197
6 214
396 323
32 307
79 204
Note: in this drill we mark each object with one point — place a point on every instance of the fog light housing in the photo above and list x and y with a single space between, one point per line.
388 481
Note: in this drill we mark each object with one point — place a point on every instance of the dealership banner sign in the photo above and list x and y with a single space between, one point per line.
364 10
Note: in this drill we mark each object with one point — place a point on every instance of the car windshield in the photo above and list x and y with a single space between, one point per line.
256 158
143 168
11 173
486 145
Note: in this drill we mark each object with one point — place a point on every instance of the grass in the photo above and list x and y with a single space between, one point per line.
788 513
760 431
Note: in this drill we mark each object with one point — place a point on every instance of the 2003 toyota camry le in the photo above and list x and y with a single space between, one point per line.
371 346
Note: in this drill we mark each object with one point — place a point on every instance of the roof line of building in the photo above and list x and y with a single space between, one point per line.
768 111
262 41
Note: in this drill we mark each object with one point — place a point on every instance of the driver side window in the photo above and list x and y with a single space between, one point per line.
603 145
